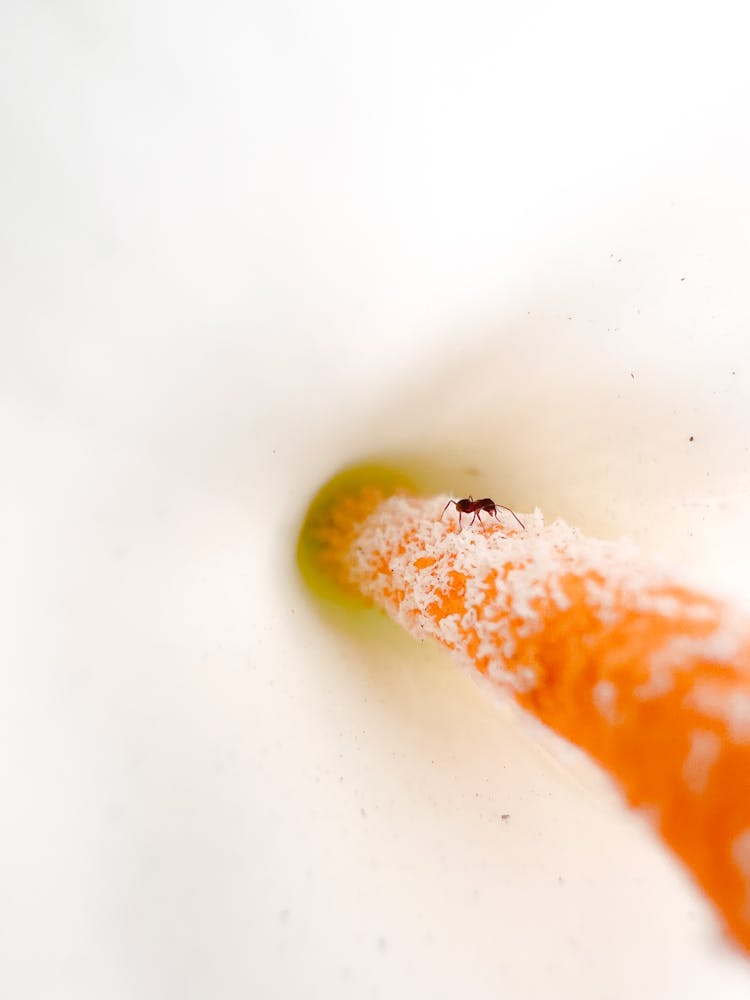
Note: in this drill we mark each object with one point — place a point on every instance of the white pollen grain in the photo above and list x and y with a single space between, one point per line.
741 857
681 652
741 852
705 749
604 694
725 702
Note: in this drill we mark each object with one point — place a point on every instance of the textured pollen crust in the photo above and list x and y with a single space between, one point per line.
649 677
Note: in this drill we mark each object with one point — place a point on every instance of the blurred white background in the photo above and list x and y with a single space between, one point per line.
245 244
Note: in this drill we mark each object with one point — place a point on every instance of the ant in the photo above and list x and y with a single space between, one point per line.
471 506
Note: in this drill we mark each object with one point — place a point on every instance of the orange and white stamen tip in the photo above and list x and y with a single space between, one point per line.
648 676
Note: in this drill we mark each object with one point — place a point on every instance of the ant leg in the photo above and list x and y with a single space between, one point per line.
511 512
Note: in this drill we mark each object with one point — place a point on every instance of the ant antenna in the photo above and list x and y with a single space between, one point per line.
513 513
446 508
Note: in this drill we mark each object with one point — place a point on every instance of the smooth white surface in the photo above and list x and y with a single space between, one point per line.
241 246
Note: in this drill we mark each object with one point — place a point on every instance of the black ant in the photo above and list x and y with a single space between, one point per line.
471 506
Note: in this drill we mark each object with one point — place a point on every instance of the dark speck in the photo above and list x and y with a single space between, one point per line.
682 279
632 375
505 816
691 438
